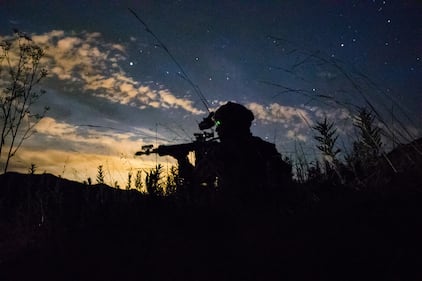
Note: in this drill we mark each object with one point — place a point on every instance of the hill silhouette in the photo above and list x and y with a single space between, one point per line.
55 229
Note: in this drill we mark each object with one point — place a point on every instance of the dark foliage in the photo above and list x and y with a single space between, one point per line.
152 181
367 150
55 229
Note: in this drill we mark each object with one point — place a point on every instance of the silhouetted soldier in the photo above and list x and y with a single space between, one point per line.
243 167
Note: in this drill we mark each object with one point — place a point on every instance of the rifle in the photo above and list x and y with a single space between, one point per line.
202 143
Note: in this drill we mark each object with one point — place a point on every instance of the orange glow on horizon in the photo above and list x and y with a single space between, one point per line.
81 166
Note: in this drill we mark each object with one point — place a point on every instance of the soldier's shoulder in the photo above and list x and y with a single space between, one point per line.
264 144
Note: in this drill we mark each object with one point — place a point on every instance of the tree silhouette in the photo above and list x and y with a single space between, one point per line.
20 73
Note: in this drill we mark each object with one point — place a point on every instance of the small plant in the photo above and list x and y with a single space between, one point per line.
301 164
138 180
370 135
314 173
32 169
327 139
367 149
129 180
327 145
172 181
100 174
152 181
88 181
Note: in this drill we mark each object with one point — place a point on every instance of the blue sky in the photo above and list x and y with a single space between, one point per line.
113 88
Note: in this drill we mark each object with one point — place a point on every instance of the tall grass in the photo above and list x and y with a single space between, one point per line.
380 119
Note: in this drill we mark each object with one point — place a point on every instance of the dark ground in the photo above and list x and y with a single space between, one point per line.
55 229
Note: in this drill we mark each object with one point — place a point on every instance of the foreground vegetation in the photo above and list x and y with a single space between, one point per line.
321 229
347 216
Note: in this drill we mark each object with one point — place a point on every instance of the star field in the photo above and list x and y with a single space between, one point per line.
291 62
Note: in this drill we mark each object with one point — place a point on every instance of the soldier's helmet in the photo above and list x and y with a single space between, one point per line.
233 118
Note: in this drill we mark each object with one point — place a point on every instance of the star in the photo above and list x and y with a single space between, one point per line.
375 38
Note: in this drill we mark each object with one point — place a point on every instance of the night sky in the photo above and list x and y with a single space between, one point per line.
113 86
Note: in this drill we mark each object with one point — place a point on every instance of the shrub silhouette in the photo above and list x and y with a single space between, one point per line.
367 149
138 181
172 181
153 181
327 138
129 181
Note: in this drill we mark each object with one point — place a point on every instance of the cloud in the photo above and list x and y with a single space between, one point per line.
86 138
298 121
295 120
169 100
276 113
76 151
333 114
68 44
293 134
86 61
341 117
327 75
51 127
